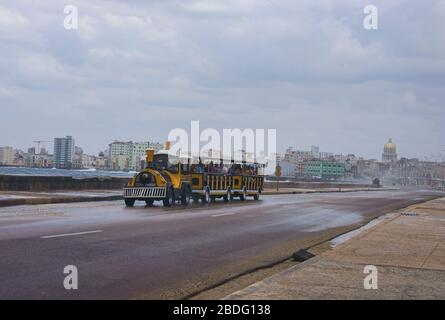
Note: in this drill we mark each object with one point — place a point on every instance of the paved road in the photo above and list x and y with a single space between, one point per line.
165 253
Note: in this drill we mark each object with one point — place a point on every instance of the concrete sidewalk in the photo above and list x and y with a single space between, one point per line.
407 247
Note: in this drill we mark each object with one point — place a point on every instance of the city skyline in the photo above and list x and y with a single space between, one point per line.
47 146
314 164
431 156
312 72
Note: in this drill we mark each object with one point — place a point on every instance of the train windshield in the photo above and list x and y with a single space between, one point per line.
160 161
164 162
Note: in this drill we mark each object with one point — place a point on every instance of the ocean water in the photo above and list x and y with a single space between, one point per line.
79 174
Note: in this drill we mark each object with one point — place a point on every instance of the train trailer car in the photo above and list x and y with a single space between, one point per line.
210 186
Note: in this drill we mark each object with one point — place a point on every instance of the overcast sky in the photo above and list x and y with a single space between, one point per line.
136 70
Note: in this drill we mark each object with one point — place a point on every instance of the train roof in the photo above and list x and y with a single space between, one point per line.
207 159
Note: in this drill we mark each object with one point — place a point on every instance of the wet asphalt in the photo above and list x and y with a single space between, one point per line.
156 253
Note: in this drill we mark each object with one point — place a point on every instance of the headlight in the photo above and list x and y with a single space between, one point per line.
145 178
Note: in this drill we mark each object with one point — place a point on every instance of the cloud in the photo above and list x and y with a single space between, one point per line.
11 19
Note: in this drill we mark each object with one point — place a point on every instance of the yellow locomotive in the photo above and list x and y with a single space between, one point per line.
172 179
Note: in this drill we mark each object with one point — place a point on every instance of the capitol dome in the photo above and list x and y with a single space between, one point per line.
390 145
389 151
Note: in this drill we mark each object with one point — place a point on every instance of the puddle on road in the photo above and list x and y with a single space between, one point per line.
329 218
310 219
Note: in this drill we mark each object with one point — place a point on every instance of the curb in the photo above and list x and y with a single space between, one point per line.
320 191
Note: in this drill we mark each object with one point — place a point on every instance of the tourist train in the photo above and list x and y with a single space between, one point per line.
171 179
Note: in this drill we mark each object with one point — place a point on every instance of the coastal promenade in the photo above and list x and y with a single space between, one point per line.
406 247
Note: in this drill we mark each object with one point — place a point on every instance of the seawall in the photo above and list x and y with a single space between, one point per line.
46 183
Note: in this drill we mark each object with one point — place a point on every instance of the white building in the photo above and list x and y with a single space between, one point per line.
7 156
129 155
120 148
137 154
88 161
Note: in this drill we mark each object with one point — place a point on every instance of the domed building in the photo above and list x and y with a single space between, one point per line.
389 152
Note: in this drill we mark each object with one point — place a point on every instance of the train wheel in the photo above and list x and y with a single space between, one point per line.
195 197
130 202
185 196
169 199
243 196
149 202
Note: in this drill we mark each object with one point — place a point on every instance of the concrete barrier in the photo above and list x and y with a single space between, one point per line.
55 199
47 183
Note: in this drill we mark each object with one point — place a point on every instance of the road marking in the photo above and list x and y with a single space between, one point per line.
223 214
70 234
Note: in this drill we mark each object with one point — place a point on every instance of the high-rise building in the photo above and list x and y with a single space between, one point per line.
63 152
